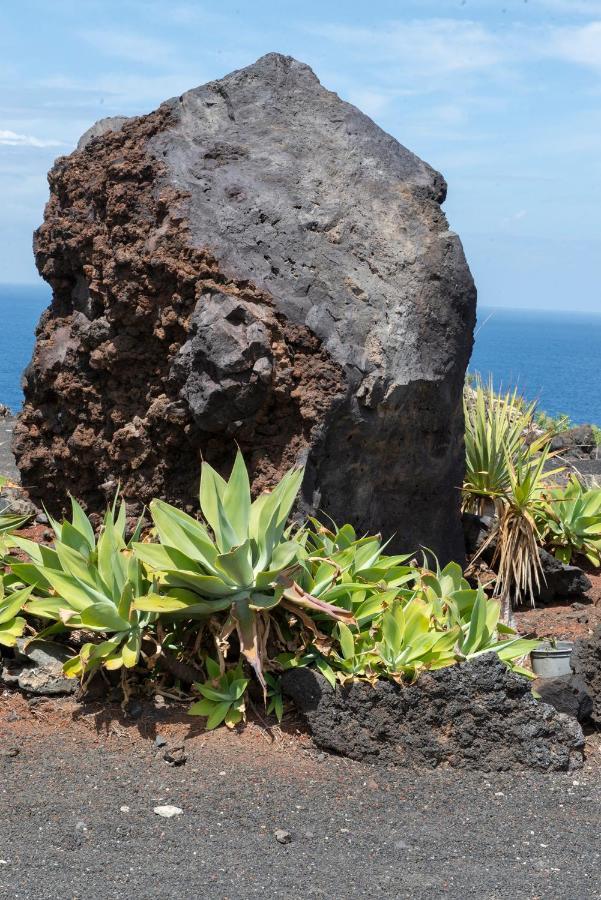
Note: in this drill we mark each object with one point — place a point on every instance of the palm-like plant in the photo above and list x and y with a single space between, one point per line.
494 438
509 472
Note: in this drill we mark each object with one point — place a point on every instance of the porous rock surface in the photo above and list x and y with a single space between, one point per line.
254 262
586 663
476 715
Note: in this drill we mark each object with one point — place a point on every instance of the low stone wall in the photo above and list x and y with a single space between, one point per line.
476 715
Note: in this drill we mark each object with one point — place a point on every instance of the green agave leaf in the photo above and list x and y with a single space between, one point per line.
477 628
82 525
179 530
11 630
212 492
103 616
12 604
45 608
77 594
164 558
218 715
347 642
202 707
43 556
131 649
236 500
236 566
73 563
205 585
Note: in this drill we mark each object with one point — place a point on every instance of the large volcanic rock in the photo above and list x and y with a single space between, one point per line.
255 262
476 715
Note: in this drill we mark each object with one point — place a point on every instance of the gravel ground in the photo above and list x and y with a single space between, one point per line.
78 789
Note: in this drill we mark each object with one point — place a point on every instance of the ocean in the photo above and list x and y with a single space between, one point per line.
20 309
552 357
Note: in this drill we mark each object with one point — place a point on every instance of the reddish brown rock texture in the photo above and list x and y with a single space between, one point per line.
255 262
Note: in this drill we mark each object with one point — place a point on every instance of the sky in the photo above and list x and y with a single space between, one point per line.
502 96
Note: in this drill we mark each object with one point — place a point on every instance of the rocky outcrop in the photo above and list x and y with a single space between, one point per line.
567 694
578 442
586 663
255 262
476 715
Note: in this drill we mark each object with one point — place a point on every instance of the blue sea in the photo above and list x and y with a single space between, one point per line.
20 308
551 357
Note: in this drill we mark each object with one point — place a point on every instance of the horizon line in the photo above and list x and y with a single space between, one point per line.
41 283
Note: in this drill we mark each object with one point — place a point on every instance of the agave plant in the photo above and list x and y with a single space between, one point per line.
90 584
222 696
410 641
243 560
570 522
12 625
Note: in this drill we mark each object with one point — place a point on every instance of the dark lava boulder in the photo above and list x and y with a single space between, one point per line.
254 262
578 441
476 715
567 694
586 663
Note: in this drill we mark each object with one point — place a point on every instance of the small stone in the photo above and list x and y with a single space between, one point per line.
41 518
321 757
124 809
10 752
134 709
160 741
167 812
577 605
281 836
175 756
401 845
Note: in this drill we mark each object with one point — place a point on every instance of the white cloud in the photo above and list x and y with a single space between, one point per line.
580 45
134 48
432 46
12 139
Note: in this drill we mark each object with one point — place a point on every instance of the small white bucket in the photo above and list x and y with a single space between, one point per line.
552 660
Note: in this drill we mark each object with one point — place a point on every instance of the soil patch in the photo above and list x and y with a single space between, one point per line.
79 788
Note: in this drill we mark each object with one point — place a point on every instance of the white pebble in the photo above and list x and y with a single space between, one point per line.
167 812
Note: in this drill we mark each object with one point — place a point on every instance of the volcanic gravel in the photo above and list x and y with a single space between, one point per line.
78 791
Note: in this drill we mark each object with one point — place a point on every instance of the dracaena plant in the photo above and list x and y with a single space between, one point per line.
241 560
89 583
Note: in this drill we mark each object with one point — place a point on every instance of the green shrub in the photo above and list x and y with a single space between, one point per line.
90 585
570 522
246 592
509 472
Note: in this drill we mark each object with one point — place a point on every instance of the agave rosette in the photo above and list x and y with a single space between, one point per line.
243 560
